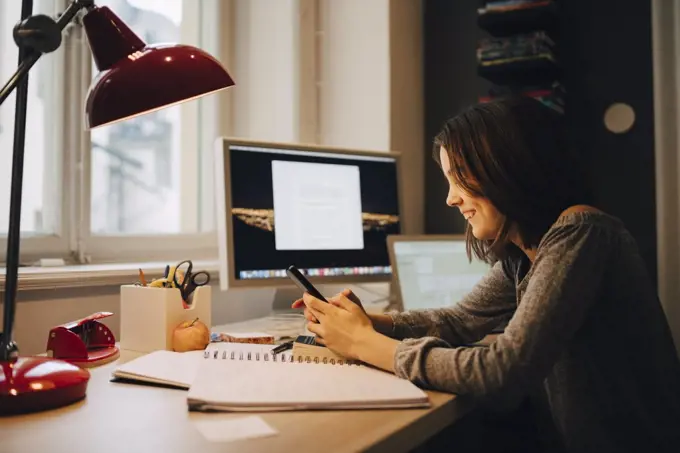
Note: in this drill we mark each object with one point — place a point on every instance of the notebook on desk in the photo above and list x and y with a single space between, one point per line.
173 369
249 378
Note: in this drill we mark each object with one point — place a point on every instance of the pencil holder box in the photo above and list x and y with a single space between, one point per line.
148 316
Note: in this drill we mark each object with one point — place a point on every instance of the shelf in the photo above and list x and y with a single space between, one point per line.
547 97
530 93
532 71
541 16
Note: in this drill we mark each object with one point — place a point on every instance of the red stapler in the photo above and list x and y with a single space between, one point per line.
85 343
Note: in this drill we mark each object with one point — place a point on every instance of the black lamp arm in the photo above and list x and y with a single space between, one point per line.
34 35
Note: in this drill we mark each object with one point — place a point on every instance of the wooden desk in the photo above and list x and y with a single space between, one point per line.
123 418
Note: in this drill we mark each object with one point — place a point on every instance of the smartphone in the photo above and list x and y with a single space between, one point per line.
302 282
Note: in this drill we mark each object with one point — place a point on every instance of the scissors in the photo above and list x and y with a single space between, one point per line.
188 280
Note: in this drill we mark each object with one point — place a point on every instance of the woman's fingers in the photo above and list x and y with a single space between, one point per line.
351 296
346 293
315 328
314 316
317 306
342 301
309 316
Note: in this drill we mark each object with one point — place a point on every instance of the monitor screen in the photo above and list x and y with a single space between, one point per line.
434 273
325 211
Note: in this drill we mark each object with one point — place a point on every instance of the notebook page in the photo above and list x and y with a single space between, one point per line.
163 367
244 385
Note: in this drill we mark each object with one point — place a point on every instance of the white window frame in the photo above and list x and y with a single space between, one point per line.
218 35
122 248
56 244
666 53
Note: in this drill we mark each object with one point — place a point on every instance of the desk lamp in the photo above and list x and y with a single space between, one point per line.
134 79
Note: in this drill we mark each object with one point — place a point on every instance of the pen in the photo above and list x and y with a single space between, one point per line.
142 280
166 276
282 347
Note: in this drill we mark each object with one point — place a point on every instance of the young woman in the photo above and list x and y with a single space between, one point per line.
587 336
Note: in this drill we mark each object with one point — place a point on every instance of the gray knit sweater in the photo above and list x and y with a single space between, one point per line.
586 333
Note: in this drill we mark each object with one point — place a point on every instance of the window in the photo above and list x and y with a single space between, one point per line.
41 190
129 191
143 189
136 176
145 175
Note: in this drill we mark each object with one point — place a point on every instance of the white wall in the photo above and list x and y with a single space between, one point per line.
407 117
355 74
371 94
666 48
265 70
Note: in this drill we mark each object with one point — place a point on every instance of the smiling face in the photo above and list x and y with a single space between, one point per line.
511 173
484 219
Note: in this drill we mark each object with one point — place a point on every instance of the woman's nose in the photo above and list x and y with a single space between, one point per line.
453 199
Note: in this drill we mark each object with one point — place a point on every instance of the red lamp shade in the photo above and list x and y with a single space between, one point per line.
136 78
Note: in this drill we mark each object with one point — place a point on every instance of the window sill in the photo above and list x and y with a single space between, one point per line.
90 275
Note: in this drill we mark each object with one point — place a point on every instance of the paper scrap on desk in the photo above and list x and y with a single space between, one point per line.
218 428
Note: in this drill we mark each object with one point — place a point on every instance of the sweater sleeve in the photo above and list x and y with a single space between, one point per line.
563 283
491 301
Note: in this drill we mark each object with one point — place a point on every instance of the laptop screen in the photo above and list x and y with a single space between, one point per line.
434 273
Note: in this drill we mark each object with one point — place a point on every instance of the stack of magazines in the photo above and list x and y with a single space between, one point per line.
520 57
552 96
510 5
535 45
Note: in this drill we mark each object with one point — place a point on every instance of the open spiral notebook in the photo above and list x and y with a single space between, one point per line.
250 378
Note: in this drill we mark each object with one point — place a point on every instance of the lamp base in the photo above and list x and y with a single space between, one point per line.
32 384
96 357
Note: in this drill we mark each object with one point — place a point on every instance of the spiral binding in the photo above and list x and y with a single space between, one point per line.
267 357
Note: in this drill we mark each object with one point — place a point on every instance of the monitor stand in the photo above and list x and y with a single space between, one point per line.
287 321
286 295
283 298
394 299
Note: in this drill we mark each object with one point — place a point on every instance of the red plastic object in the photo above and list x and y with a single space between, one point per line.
30 384
138 78
85 342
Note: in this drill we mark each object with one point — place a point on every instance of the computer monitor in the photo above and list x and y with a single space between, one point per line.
328 211
432 271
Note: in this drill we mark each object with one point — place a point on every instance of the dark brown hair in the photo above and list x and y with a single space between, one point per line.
513 151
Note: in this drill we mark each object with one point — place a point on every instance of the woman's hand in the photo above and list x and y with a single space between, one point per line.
346 293
342 326
381 323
